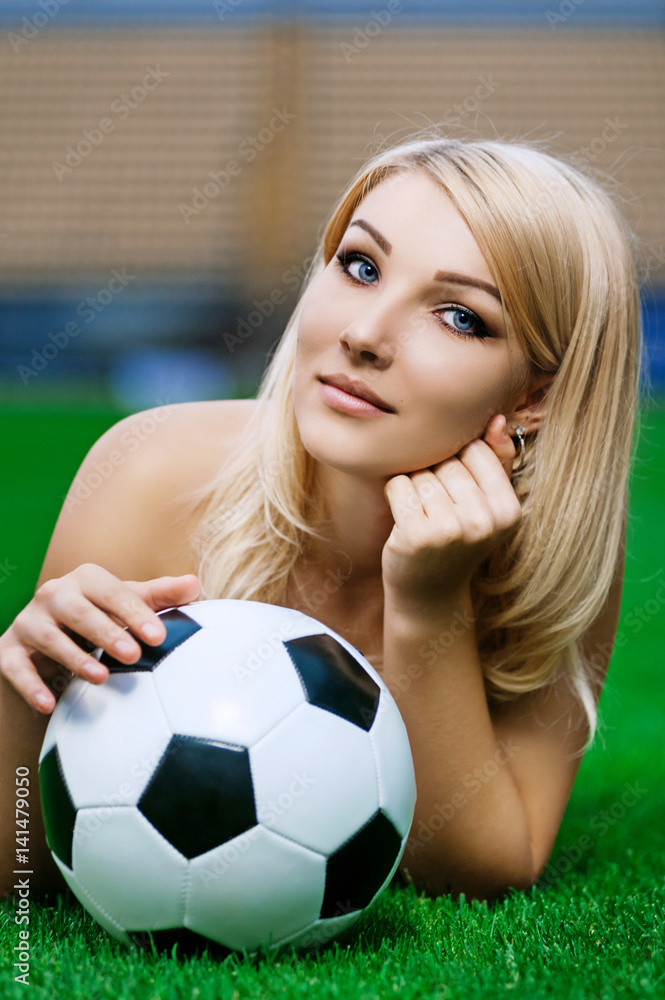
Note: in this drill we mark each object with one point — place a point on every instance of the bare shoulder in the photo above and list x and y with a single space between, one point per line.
544 732
191 439
211 420
126 509
197 439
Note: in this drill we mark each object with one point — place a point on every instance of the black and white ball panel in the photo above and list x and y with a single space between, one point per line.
131 734
333 679
231 689
182 799
180 628
273 772
273 886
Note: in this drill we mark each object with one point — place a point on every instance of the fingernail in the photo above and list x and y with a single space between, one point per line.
150 631
43 700
123 647
94 671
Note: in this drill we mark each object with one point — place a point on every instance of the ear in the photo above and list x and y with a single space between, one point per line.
531 407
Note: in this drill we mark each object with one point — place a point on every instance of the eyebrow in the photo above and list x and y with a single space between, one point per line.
448 277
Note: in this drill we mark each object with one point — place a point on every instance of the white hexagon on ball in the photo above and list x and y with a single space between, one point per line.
254 889
314 778
247 782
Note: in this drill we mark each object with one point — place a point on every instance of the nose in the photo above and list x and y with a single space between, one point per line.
370 338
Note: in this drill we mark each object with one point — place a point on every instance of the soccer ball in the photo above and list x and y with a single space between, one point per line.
249 783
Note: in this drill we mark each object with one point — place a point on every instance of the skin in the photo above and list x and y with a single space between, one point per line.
403 334
416 499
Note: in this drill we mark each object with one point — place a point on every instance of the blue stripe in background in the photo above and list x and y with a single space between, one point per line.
478 13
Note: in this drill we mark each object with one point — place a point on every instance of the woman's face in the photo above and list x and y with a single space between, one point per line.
412 311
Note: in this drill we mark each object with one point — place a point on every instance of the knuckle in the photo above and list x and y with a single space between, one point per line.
107 633
77 661
45 633
48 589
85 569
18 625
60 602
479 526
515 510
127 603
512 516
7 667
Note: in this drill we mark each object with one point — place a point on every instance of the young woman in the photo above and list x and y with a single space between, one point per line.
435 466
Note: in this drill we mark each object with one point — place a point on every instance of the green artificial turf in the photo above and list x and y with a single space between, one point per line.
592 927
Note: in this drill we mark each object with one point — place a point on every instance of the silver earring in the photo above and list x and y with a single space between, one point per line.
521 435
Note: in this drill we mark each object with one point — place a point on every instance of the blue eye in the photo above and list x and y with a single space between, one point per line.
465 323
344 259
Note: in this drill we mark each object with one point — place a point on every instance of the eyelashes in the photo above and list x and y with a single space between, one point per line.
476 331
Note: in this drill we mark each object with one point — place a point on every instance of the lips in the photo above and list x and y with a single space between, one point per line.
356 388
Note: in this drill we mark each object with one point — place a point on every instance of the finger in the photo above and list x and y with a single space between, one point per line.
167 591
107 630
489 474
44 636
20 672
458 482
403 497
441 520
497 437
133 604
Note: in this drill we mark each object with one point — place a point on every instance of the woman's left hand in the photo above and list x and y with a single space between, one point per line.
448 518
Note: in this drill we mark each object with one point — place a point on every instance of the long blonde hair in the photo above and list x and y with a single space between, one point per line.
562 259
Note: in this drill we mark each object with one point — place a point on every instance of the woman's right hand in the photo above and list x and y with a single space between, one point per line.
95 605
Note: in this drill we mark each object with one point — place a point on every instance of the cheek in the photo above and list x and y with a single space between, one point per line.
467 395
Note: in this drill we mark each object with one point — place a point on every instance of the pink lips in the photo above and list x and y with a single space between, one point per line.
350 392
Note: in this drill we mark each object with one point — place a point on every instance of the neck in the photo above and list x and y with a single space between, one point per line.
358 523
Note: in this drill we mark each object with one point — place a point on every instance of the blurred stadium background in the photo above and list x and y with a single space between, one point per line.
167 167
138 264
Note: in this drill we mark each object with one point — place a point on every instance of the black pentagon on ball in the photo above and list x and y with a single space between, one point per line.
333 679
57 807
179 628
356 872
200 794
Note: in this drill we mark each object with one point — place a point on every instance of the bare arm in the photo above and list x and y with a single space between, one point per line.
492 784
126 526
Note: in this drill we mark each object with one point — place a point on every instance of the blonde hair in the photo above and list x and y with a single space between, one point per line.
562 259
